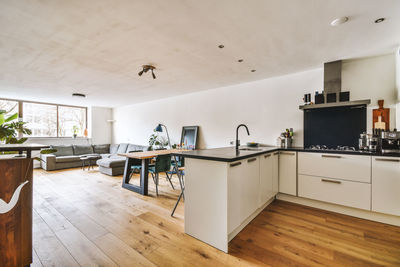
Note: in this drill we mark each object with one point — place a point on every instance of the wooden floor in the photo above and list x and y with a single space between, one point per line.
86 218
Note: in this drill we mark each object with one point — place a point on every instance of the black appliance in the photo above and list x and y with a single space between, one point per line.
334 126
391 142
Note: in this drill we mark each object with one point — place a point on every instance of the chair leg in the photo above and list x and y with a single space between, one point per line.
157 184
169 179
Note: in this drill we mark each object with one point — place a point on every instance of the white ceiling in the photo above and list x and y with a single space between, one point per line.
50 49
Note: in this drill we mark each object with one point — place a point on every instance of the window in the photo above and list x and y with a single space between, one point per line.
48 120
10 106
71 120
41 119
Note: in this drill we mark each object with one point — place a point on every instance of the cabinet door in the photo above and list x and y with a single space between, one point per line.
288 172
266 176
275 173
386 185
235 178
250 187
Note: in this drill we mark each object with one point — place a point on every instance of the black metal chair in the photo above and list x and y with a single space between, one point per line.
162 164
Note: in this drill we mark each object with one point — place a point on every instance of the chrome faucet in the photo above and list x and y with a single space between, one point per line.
237 131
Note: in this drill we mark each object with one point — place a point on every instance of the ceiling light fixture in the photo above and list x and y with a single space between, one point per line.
240 60
339 21
253 70
221 46
78 95
147 68
379 20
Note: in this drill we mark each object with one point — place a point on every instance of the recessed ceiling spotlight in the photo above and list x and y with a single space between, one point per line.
221 46
253 70
78 95
339 21
379 20
240 60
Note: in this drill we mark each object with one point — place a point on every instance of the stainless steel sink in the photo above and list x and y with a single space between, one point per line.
250 149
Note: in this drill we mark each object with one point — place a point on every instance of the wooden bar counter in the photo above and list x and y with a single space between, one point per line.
16 207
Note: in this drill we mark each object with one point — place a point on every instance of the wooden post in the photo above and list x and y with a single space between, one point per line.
16 211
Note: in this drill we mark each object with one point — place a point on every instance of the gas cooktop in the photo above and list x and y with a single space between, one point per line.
338 148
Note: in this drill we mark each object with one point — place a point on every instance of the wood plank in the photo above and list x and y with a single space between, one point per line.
131 229
120 252
48 247
80 247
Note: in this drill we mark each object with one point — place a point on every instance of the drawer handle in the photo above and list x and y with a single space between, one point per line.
268 155
331 156
251 160
235 164
331 181
391 160
288 153
276 153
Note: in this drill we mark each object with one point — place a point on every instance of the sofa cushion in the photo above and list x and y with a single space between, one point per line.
67 159
63 150
111 162
82 149
101 149
136 148
122 148
114 148
104 156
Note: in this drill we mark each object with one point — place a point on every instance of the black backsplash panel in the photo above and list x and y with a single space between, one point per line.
334 126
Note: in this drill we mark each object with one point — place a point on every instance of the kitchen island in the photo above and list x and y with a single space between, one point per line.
226 188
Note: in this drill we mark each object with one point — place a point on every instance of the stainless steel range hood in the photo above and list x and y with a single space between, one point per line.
333 84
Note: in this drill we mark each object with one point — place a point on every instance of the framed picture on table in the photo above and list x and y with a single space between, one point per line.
189 137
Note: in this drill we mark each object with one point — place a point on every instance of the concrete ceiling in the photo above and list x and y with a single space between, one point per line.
50 49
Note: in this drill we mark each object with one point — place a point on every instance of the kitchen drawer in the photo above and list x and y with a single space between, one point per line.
346 193
386 185
340 166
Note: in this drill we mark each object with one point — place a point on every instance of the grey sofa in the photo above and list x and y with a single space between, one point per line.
108 160
68 156
111 163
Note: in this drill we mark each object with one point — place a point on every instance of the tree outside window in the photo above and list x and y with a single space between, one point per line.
71 120
41 119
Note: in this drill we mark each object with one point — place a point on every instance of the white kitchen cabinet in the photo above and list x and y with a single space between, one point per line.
339 166
386 185
342 192
275 173
266 178
250 187
235 179
243 190
288 172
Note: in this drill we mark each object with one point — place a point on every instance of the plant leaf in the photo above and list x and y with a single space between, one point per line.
12 117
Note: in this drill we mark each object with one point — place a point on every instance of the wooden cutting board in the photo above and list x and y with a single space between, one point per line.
381 117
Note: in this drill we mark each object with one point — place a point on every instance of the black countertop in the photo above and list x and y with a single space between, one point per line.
229 154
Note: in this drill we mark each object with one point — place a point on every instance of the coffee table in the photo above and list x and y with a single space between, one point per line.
88 161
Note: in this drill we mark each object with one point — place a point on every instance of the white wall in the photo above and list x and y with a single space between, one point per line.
397 55
372 78
100 129
266 106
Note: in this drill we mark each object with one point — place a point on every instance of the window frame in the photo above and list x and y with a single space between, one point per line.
21 114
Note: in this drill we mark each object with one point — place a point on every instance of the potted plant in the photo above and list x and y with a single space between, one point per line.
10 128
157 142
75 129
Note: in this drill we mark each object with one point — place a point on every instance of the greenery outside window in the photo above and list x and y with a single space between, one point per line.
49 120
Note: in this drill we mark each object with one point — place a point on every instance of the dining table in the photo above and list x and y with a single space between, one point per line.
145 157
